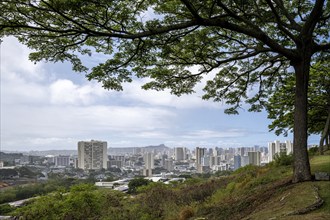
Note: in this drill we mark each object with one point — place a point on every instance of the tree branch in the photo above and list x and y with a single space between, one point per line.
254 32
280 23
313 18
192 9
322 47
294 24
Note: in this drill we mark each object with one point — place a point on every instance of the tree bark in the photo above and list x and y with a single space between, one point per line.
325 134
328 140
301 167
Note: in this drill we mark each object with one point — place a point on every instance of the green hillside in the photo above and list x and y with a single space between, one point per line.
289 201
248 193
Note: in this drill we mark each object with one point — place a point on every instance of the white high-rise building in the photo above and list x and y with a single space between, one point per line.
271 151
277 147
289 147
92 155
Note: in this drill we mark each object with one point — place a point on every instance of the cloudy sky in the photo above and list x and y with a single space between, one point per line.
48 106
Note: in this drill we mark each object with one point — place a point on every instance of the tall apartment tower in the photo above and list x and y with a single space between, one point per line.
271 151
289 147
237 162
92 155
62 161
148 164
200 154
180 153
254 158
277 147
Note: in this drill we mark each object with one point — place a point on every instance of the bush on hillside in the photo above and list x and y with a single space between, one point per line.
135 183
282 159
313 151
5 209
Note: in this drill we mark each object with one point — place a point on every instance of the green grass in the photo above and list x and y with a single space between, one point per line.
297 196
249 193
320 163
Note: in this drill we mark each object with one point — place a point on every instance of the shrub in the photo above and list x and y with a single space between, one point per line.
282 159
6 209
313 151
135 183
186 213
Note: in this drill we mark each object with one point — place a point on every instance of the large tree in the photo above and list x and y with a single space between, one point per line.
280 105
246 44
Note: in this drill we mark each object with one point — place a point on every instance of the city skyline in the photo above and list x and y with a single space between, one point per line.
47 106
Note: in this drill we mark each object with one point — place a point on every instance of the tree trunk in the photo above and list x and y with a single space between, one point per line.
325 134
321 148
328 140
301 167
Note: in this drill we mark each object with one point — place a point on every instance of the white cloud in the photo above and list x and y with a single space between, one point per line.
43 126
206 134
76 121
133 91
64 91
14 58
151 134
15 89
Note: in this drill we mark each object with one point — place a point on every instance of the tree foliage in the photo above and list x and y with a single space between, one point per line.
36 189
230 197
134 184
245 47
245 43
280 106
283 159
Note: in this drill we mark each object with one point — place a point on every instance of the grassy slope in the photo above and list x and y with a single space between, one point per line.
299 196
249 193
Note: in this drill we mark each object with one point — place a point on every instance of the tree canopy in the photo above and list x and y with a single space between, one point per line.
280 105
247 46
135 183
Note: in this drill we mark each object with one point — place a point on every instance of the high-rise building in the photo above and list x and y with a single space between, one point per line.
62 161
237 162
205 161
244 161
254 158
148 164
116 161
180 153
162 161
92 155
241 151
210 153
277 147
215 160
200 153
168 164
289 147
271 151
